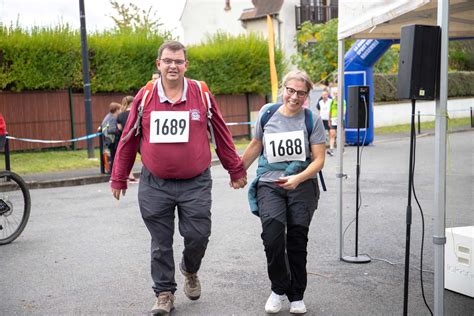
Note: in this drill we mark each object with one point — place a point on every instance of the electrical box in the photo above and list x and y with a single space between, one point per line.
458 263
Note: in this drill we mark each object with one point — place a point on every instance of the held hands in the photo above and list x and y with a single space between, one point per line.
116 193
238 184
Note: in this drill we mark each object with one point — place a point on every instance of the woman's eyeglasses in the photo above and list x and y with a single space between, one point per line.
299 93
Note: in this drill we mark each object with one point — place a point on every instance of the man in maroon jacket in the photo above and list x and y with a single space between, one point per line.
176 157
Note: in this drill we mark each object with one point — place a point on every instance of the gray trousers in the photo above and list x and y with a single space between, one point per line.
158 198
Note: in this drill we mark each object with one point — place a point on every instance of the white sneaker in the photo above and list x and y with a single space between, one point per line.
297 307
273 304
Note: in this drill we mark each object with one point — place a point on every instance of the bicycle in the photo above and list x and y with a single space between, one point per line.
15 206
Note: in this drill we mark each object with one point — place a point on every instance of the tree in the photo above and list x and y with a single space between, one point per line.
131 18
388 63
317 50
461 55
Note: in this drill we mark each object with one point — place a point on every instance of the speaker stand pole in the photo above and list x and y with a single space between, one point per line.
409 211
357 258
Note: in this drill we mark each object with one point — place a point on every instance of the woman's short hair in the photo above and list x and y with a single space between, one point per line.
299 75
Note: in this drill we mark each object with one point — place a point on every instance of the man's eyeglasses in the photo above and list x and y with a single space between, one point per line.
177 62
299 93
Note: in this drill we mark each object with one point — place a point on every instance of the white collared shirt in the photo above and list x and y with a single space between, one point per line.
164 98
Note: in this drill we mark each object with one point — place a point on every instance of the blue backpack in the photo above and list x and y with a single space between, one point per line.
308 121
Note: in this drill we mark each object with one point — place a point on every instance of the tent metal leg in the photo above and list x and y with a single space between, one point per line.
340 143
439 215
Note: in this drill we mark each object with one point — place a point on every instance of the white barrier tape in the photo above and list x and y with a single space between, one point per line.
242 123
54 141
458 110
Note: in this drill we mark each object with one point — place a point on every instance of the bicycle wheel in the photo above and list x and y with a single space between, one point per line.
15 204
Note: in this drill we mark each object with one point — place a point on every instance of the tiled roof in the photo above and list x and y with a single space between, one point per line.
262 8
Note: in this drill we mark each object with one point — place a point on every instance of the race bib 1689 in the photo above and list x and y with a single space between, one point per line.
287 146
169 127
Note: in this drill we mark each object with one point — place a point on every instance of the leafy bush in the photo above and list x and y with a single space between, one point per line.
461 55
233 65
50 59
43 59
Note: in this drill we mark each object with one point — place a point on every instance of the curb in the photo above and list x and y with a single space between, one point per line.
48 184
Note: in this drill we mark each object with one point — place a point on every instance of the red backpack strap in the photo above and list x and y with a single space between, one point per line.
206 100
149 88
147 95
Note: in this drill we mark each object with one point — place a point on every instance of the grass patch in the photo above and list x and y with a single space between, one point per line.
425 126
47 161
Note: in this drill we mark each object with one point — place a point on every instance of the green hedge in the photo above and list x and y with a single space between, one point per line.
234 65
50 59
460 84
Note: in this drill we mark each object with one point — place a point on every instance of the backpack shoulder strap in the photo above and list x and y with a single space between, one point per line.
204 90
308 121
149 88
206 100
271 109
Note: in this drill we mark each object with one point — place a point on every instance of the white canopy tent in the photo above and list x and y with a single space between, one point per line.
383 19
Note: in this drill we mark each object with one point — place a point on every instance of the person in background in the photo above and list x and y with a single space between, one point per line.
285 193
156 75
333 122
122 121
3 132
176 156
110 131
324 105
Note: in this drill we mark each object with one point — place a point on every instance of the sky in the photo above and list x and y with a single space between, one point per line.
52 12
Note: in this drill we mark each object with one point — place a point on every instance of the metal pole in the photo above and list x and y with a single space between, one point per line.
87 85
7 155
101 151
71 112
247 99
357 191
409 210
419 123
439 214
472 121
340 144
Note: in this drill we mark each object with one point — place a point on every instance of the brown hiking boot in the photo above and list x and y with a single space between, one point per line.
192 286
164 304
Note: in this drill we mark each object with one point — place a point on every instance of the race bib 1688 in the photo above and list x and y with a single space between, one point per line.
287 146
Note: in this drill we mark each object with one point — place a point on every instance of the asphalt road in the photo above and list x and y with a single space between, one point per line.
82 253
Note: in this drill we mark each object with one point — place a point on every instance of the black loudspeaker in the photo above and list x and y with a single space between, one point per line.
358 107
418 65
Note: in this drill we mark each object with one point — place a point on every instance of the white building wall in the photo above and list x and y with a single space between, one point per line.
284 27
390 114
201 18
288 27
